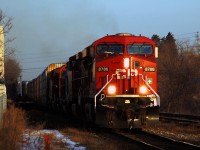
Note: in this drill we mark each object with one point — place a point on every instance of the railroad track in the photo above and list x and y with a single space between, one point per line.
141 139
179 118
152 141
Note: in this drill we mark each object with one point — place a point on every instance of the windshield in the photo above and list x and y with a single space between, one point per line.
110 49
139 49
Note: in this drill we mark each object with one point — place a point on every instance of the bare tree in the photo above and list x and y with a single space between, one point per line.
12 73
6 22
190 65
12 66
12 70
178 77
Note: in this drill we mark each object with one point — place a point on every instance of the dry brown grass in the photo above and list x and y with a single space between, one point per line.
83 137
92 140
11 128
188 133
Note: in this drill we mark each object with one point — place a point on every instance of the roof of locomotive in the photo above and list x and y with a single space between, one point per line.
124 38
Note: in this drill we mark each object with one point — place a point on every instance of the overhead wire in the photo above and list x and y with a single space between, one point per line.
45 60
34 68
185 34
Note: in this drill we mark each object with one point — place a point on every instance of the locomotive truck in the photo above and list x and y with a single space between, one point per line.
112 82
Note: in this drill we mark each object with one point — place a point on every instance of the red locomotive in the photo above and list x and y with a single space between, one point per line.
112 82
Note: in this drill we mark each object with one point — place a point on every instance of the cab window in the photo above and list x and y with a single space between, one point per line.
103 49
139 49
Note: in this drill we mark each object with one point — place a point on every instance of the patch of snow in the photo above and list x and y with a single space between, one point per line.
35 140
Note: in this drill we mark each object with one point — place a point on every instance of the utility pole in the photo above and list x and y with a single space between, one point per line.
197 43
3 96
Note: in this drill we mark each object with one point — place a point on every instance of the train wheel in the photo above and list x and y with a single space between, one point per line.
74 110
64 108
88 112
142 116
49 105
58 107
131 124
111 118
52 105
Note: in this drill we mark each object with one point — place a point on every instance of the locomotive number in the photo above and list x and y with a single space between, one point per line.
150 69
102 69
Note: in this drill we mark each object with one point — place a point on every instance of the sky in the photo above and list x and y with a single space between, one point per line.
50 31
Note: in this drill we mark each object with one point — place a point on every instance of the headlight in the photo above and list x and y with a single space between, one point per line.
111 89
126 62
143 89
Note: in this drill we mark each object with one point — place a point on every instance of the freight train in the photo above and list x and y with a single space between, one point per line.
112 82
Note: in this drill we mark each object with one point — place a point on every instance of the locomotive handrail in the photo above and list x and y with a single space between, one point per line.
95 97
158 97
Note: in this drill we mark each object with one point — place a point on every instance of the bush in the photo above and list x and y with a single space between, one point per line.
11 128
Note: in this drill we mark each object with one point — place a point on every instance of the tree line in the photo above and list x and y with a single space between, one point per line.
178 75
178 71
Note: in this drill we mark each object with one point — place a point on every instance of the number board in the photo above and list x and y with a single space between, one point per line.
150 69
103 69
